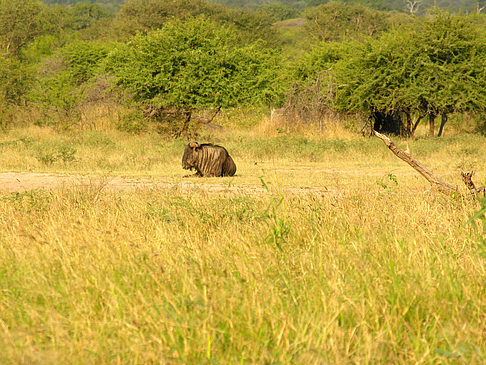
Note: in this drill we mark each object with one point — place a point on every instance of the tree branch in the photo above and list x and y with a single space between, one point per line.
467 178
422 170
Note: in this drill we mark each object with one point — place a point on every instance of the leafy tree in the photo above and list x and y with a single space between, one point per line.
21 21
278 11
386 5
82 60
435 68
15 80
63 79
336 21
323 56
195 65
85 14
147 15
374 4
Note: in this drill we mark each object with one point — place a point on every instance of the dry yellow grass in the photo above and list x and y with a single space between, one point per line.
379 270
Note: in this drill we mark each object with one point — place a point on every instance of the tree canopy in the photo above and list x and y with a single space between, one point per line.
195 64
146 15
336 21
436 67
21 21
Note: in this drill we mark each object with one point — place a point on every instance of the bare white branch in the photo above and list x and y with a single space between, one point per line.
479 9
413 6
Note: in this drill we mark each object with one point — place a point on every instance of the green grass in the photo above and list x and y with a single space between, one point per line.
40 149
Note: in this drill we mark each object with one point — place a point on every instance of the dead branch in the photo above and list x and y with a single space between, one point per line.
200 121
206 120
479 9
467 178
422 170
413 6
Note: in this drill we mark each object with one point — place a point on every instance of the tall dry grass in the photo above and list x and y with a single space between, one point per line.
379 269
89 275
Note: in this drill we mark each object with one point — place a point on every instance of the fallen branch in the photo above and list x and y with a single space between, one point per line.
467 178
422 170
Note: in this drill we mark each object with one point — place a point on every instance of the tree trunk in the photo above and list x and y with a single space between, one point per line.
185 126
199 122
442 123
431 178
415 124
431 124
409 125
467 178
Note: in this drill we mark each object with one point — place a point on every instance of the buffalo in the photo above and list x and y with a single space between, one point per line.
208 160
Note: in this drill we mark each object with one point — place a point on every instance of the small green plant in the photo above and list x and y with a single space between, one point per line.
64 153
47 158
480 215
29 201
279 229
393 180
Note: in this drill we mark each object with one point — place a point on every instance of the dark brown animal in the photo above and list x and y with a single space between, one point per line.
208 160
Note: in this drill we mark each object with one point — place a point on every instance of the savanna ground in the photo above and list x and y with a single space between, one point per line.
322 249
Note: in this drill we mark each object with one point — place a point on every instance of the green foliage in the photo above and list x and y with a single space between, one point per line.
431 65
278 11
276 217
436 66
62 80
374 4
336 21
196 64
85 14
21 21
40 48
385 5
15 79
393 181
110 6
479 218
69 2
83 59
147 15
427 67
57 96
323 56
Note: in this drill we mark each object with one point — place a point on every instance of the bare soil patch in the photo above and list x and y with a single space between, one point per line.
22 181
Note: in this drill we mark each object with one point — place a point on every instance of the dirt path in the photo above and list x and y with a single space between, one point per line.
22 181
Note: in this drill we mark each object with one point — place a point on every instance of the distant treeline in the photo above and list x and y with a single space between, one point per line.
399 5
169 61
110 6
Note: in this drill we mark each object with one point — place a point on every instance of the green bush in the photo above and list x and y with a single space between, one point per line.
195 65
63 79
83 59
278 11
147 15
336 21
